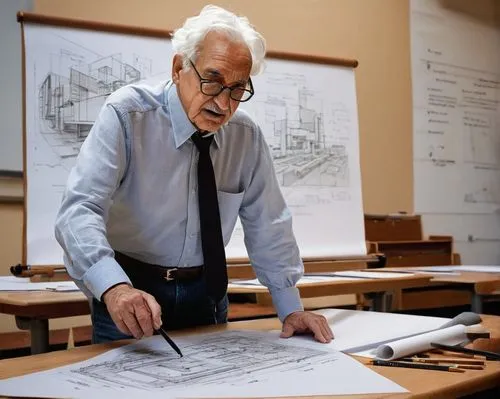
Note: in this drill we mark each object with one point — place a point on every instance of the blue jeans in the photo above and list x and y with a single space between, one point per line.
184 304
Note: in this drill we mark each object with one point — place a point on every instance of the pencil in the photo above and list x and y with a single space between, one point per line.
435 360
466 366
450 353
417 366
454 348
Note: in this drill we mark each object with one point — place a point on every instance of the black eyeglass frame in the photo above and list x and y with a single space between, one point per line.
222 87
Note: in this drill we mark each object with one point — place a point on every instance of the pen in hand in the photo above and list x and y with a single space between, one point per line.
169 340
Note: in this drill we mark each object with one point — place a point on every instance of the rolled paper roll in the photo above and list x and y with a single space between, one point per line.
408 346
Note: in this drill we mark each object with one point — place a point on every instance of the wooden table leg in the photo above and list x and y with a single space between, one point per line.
39 332
476 303
381 301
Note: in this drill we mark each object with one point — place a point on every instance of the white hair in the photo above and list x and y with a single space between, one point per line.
187 39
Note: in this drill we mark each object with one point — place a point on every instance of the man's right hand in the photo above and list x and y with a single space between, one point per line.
134 312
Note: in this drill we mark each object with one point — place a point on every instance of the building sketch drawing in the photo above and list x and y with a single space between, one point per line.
484 190
70 100
304 133
483 142
234 357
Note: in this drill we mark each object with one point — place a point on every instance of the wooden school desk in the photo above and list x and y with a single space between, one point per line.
33 310
421 383
377 286
479 285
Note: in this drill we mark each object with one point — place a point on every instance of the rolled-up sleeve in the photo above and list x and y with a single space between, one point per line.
80 225
269 239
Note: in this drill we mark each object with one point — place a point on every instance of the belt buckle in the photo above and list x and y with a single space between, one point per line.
169 276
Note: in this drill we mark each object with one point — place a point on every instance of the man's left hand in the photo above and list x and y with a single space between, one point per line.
307 322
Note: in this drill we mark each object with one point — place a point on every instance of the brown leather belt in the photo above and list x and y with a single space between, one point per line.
134 268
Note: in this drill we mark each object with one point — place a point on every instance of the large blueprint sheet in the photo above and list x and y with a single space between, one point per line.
223 365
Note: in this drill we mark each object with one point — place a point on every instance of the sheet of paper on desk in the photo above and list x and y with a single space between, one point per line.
374 275
477 268
11 283
456 269
303 281
360 332
219 365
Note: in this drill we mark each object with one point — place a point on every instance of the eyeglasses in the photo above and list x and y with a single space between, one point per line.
213 88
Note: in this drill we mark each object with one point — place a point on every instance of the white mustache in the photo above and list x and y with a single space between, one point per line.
216 109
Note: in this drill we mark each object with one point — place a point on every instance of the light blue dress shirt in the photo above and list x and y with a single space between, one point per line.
134 190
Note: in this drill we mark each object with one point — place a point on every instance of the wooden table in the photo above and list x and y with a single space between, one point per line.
377 286
33 309
478 284
421 383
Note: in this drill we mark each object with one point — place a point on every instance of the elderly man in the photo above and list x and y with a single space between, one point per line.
142 224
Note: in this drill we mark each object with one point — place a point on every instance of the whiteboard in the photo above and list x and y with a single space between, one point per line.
456 130
308 114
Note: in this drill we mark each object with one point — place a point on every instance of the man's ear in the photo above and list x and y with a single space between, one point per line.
177 65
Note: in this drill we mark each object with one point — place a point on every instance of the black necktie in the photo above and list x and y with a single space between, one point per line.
212 244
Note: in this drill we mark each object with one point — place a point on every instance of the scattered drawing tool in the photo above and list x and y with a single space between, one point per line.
169 340
437 360
461 349
461 363
423 366
449 353
465 366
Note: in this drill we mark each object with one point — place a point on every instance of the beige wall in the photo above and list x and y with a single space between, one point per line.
375 32
11 233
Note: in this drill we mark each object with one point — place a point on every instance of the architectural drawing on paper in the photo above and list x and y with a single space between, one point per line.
461 128
231 357
486 190
480 131
305 133
70 99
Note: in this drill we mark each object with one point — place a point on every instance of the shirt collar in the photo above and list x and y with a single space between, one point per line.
182 127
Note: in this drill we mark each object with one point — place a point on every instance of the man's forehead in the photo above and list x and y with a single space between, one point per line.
220 46
218 67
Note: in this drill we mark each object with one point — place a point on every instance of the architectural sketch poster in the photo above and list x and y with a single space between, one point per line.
233 364
456 100
69 75
307 112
